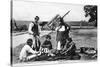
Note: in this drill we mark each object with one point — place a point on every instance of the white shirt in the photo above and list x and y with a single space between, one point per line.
30 28
61 29
25 49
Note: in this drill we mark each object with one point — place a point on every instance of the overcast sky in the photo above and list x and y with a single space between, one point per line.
27 10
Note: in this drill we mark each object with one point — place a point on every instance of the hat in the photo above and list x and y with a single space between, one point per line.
29 42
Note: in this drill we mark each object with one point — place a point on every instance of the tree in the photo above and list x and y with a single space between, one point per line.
13 25
91 10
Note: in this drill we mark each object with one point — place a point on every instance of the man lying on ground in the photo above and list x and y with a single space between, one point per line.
26 50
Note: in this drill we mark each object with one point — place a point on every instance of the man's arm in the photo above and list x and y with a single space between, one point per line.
69 48
51 45
30 28
68 27
29 49
39 28
57 28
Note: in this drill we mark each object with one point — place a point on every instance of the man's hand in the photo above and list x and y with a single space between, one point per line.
31 33
37 37
39 33
57 28
38 53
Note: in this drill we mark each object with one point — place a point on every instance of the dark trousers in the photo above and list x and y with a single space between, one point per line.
37 43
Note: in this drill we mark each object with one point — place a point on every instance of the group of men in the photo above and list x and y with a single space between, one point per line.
34 48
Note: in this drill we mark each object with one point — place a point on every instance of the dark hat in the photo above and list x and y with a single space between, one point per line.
61 21
29 41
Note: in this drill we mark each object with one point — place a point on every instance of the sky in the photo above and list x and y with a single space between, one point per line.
27 10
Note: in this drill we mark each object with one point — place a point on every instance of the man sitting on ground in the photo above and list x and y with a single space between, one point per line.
69 48
26 50
47 46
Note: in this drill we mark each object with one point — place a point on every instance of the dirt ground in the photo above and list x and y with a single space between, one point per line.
82 38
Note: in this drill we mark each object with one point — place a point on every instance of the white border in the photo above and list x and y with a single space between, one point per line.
5 32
